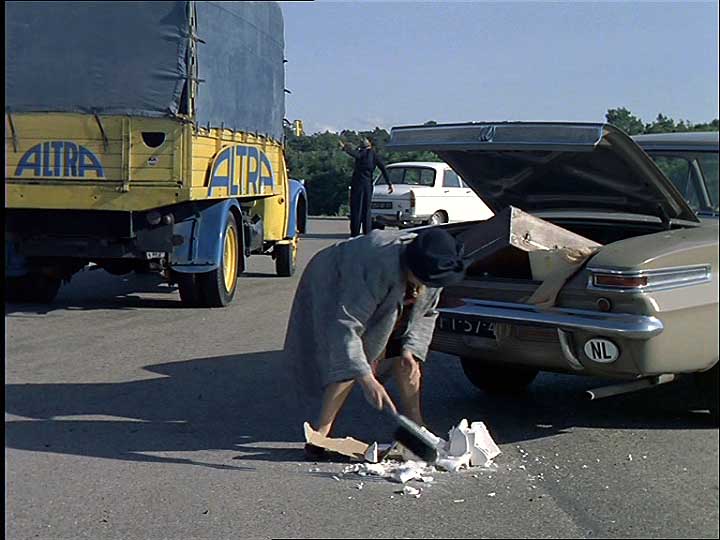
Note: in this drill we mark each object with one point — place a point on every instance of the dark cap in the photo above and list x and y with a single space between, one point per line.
435 257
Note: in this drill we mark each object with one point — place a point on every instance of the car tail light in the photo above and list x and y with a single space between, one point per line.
647 280
621 282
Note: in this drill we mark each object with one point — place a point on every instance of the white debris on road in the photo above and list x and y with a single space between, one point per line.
468 445
409 490
395 471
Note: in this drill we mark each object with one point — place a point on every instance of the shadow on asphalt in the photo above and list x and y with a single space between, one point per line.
243 404
326 236
96 289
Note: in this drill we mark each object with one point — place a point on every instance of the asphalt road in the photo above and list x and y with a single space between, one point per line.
129 417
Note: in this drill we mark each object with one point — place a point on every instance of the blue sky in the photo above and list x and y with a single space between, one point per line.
357 65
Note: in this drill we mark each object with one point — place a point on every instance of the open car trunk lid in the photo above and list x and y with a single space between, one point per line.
551 166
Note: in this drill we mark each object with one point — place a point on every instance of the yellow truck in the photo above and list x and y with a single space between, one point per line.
146 136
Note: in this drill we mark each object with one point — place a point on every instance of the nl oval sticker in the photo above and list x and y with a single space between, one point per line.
601 350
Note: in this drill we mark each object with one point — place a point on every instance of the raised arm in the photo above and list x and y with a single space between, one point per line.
383 170
348 150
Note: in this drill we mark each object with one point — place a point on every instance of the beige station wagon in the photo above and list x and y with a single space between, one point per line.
642 307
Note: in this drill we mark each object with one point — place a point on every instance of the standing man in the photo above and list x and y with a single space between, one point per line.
361 188
366 307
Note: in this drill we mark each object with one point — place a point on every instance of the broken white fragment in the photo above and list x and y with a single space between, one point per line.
629 457
492 494
454 464
459 501
409 490
371 454
459 440
411 470
360 485
336 478
377 469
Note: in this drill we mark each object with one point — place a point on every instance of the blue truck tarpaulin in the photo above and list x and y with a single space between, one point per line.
131 58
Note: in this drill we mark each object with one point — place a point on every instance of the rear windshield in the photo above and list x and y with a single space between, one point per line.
694 174
413 176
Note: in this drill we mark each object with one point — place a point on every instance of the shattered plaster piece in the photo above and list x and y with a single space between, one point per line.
409 490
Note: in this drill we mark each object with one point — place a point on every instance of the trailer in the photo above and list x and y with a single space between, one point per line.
146 136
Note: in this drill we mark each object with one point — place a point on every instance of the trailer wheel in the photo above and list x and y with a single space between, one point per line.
33 288
217 288
495 379
286 258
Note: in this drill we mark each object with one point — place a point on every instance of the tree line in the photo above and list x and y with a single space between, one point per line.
326 169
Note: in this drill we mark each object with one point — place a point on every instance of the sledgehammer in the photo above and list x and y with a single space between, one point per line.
412 437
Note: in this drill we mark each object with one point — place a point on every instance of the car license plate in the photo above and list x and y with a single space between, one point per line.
154 254
381 205
471 325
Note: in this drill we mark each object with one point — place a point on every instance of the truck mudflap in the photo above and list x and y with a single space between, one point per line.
15 264
199 238
297 220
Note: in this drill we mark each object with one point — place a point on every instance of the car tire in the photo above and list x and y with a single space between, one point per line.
285 258
709 381
34 288
495 379
438 218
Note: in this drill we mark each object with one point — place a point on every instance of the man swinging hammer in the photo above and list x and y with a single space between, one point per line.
366 307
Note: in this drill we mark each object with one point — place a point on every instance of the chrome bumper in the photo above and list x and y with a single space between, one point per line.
609 324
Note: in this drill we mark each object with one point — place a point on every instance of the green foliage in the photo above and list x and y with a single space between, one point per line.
326 169
626 121
632 125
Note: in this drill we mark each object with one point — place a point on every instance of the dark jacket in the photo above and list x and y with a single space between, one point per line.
366 159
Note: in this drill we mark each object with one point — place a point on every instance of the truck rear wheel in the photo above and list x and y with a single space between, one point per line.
495 379
286 258
34 287
217 288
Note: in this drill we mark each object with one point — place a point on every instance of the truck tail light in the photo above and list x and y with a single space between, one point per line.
412 200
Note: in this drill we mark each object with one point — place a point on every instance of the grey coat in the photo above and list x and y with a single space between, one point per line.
346 306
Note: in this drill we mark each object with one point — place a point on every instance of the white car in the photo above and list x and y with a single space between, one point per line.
425 192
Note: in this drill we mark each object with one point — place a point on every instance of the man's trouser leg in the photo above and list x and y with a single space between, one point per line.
366 212
355 209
